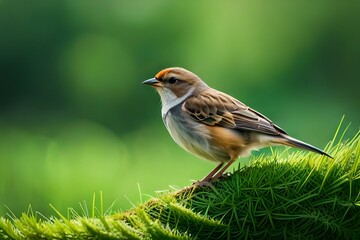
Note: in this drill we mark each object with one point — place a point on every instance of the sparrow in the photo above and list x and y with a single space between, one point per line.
213 125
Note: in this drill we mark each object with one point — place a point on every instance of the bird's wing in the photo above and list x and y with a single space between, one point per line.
215 108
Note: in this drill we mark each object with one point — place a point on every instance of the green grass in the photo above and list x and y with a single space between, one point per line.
289 196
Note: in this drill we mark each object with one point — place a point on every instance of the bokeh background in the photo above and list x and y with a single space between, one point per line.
75 120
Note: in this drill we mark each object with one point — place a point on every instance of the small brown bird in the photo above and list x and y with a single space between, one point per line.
213 125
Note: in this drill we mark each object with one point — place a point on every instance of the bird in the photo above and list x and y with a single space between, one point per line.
213 125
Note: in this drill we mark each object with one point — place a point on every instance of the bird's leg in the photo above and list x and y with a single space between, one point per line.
219 174
211 174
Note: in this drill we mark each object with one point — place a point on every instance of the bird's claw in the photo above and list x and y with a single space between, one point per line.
203 183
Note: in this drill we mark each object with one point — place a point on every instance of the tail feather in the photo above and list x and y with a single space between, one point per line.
292 142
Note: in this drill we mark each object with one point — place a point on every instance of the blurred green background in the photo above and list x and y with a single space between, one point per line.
75 119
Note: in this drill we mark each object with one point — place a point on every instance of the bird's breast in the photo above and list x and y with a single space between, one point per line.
194 137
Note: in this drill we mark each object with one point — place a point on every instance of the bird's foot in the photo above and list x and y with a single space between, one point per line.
208 182
195 185
205 182
202 183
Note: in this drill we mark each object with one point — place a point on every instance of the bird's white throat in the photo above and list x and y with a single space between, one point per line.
170 100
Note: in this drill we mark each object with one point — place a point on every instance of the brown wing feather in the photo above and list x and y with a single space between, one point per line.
222 110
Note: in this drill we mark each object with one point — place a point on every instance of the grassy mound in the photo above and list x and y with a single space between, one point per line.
305 196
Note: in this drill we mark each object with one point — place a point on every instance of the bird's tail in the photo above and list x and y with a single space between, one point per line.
292 142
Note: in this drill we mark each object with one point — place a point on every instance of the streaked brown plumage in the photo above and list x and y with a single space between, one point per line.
213 125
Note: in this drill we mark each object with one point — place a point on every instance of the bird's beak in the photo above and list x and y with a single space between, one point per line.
152 82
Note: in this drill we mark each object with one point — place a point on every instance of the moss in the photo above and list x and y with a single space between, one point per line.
302 196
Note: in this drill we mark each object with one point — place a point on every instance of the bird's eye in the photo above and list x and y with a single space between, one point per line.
172 80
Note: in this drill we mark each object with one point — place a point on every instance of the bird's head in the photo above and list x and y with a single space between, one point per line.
176 83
